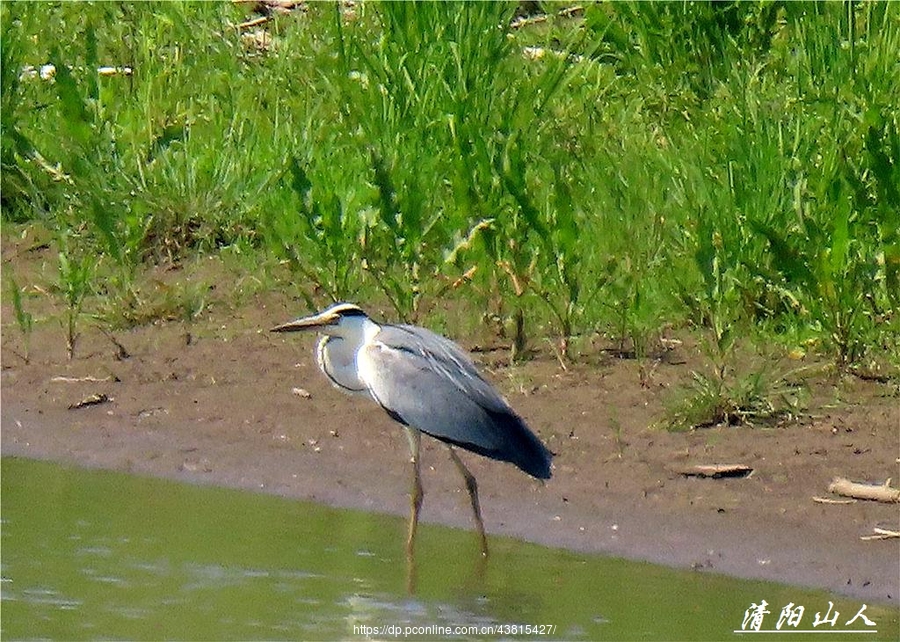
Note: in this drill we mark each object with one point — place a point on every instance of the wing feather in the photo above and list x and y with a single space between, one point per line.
427 382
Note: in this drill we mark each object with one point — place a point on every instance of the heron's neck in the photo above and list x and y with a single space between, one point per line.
337 355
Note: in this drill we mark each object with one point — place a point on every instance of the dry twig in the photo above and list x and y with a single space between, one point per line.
875 492
92 400
880 533
254 22
716 471
828 500
62 379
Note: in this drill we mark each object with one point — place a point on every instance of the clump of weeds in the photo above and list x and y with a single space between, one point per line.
24 319
75 273
724 397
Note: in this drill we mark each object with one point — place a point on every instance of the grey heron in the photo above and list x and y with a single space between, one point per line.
428 384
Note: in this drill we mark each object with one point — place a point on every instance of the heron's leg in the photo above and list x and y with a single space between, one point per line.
416 494
472 488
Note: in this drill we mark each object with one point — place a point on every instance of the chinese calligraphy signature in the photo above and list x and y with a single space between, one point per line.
791 616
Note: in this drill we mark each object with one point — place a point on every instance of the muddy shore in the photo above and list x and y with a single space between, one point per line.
234 405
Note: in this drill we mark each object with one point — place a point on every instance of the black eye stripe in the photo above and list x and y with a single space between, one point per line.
345 309
351 312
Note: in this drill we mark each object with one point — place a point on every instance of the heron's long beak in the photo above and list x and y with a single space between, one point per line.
314 322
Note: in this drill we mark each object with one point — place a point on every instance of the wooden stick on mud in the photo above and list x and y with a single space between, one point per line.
716 471
881 533
92 400
828 500
875 492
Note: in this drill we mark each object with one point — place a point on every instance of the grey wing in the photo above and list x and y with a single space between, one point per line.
446 359
425 381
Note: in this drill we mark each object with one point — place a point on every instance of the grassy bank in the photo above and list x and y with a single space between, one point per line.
730 169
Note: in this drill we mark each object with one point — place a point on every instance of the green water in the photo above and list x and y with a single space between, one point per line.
101 555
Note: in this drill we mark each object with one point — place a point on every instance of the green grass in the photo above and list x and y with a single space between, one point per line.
732 168
24 319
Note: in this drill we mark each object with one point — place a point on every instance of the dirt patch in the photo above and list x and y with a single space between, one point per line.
220 408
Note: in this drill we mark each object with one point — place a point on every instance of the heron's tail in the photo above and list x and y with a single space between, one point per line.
511 441
522 447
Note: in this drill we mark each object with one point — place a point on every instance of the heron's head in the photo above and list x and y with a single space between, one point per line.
340 320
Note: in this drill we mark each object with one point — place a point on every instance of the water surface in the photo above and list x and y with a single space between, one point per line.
97 555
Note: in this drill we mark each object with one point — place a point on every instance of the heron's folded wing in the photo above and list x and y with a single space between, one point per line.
446 359
426 386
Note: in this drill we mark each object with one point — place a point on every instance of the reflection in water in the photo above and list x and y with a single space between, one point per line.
106 555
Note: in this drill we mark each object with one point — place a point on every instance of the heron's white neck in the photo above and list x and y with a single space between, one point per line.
336 352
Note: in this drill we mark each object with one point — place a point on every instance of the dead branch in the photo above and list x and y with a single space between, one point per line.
559 352
121 352
715 471
880 533
62 379
253 23
92 400
874 492
828 500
